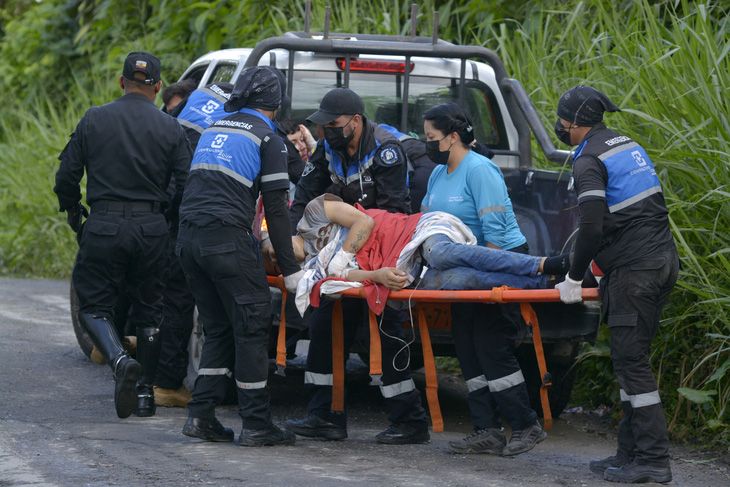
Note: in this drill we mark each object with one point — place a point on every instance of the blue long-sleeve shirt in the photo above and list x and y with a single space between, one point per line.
476 193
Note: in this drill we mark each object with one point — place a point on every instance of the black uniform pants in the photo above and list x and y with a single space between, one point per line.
399 390
122 250
633 297
484 337
226 275
177 310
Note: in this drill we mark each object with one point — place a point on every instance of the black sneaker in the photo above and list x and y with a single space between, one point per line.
487 440
525 439
314 427
209 430
600 466
126 373
270 436
633 473
404 434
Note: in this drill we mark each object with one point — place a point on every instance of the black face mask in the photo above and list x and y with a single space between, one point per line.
562 133
335 136
434 152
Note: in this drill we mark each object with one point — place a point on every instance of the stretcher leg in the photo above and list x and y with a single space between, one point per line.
281 339
530 317
376 352
437 422
338 358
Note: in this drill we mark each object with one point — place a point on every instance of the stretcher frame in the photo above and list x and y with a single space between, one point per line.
495 295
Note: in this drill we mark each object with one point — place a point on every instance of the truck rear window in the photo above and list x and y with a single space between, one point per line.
382 93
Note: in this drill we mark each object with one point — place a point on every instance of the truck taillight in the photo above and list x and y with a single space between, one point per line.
264 226
375 66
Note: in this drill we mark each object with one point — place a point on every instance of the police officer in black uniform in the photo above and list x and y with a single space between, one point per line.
623 227
237 158
362 163
195 113
129 149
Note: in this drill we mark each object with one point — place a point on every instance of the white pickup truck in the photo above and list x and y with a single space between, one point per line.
399 77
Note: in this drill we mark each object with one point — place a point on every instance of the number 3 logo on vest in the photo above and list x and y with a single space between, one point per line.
218 141
210 107
638 158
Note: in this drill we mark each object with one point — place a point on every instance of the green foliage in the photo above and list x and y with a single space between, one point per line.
666 64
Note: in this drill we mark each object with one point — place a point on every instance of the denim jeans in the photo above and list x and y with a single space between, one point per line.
455 266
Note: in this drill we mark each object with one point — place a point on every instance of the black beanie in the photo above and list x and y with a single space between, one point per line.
584 106
256 87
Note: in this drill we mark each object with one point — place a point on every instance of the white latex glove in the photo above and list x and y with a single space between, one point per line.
292 280
570 291
339 263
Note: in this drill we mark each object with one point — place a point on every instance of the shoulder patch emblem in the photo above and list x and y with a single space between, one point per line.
389 156
307 169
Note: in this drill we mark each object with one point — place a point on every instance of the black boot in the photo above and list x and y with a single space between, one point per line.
126 370
148 353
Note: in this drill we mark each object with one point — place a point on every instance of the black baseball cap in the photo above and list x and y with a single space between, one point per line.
142 62
340 101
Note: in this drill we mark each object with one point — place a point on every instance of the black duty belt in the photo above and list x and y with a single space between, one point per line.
127 206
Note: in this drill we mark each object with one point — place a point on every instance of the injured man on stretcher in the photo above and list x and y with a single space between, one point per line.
350 246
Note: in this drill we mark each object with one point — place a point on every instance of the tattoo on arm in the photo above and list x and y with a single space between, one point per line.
354 246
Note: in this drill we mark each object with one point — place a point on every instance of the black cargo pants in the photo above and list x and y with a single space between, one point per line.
633 297
399 390
123 245
484 338
226 275
177 310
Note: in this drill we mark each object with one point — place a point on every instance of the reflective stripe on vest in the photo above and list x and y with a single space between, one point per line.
398 388
251 385
317 379
355 169
232 150
641 400
222 371
631 176
203 107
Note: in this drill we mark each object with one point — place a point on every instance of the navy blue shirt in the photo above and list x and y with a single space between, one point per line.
129 149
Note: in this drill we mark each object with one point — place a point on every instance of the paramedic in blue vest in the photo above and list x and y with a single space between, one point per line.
237 158
361 163
195 113
471 187
624 227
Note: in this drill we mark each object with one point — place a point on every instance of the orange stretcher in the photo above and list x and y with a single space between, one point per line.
495 295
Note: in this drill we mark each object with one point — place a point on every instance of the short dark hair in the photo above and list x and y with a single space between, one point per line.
181 88
450 117
288 126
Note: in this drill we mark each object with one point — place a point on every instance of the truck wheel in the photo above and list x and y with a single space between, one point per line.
81 334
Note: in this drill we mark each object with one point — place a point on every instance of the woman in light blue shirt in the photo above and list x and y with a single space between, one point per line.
469 185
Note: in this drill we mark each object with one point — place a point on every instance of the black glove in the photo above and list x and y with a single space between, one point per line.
74 214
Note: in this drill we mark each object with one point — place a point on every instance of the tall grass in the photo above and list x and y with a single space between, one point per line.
34 238
666 64
670 73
